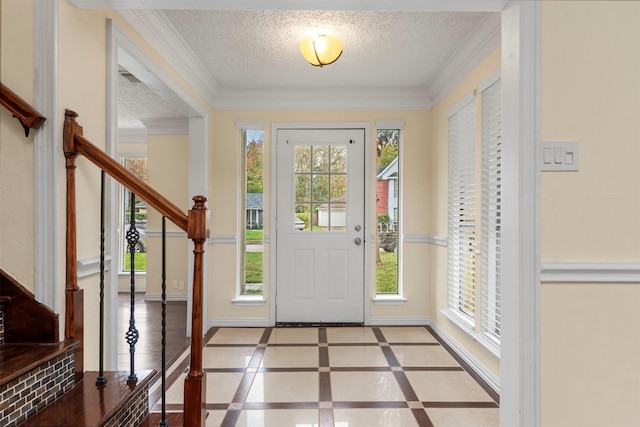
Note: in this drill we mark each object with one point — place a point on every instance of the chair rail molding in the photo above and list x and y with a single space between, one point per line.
590 272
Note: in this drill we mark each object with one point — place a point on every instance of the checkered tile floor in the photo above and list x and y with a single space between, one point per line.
336 376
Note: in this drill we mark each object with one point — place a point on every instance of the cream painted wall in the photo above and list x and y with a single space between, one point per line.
132 149
438 177
16 152
591 94
224 186
82 71
168 161
590 333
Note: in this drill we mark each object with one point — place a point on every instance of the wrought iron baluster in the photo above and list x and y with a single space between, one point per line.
101 378
163 421
132 334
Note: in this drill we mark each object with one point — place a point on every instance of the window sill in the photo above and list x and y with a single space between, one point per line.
249 301
488 343
458 320
467 327
382 299
123 274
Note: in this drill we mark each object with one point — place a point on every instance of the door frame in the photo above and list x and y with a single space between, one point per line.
122 49
369 218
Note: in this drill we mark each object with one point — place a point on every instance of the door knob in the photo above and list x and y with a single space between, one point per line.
358 241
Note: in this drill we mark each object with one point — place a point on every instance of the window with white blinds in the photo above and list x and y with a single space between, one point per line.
462 210
491 123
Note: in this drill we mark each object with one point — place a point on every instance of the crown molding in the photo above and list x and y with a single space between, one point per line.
480 43
154 27
323 99
172 126
156 30
399 5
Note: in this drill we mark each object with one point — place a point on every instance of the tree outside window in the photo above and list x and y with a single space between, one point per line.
387 210
253 198
138 166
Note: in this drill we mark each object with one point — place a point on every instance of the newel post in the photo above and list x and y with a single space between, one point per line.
74 316
195 382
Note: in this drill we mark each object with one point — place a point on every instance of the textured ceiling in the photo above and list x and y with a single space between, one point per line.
136 103
258 49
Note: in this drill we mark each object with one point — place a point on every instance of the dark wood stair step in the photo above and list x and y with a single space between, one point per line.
18 359
88 405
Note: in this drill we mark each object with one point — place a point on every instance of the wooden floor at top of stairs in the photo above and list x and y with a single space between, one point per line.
18 359
174 419
88 405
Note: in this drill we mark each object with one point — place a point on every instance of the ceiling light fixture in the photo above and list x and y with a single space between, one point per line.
321 50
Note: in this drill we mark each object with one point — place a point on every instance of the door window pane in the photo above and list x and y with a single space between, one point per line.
321 188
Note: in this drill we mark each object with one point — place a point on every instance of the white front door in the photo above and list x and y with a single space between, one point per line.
320 264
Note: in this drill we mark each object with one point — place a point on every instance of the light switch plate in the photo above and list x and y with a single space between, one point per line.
559 156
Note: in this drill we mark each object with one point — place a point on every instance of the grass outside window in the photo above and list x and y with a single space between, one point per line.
387 273
140 261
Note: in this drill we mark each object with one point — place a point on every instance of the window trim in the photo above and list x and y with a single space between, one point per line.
397 298
240 299
122 192
454 289
490 303
474 330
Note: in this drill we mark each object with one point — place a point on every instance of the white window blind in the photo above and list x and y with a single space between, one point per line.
461 204
491 123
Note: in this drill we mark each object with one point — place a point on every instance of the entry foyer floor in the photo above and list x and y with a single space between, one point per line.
334 376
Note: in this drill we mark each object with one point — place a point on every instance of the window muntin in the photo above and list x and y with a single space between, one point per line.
320 180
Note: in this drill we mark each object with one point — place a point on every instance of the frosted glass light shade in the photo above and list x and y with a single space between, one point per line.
321 50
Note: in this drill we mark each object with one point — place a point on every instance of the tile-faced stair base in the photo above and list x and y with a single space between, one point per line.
87 405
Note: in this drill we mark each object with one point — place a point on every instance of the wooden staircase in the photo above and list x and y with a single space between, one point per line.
38 385
42 380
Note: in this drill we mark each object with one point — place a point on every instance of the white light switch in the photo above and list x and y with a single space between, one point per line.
559 156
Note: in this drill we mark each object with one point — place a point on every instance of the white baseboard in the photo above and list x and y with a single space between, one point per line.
471 360
238 322
398 321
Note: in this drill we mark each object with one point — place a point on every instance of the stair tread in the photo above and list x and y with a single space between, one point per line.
87 404
18 359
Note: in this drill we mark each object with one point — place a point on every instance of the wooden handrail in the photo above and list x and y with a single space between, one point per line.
21 110
195 223
78 144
